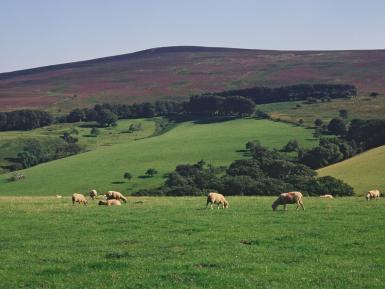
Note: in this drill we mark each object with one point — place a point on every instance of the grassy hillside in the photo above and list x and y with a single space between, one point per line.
103 168
362 107
175 243
363 172
12 142
177 72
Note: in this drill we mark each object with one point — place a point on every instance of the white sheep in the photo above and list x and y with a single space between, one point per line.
216 198
327 196
111 202
373 194
115 195
93 194
289 198
79 198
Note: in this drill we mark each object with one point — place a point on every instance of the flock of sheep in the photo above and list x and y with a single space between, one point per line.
113 198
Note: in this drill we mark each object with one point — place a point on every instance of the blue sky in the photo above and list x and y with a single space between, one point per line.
42 32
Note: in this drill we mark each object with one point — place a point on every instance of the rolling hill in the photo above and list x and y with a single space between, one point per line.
103 168
363 172
174 73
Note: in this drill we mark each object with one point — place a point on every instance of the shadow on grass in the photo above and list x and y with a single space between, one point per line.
118 182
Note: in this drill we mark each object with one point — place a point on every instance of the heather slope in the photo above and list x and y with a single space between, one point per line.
177 72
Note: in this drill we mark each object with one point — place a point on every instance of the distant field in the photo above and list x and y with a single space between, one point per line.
12 142
363 107
364 172
175 243
103 168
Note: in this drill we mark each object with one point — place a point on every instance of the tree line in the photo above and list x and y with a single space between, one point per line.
262 95
227 103
24 119
267 172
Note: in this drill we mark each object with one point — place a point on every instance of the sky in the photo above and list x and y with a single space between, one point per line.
36 33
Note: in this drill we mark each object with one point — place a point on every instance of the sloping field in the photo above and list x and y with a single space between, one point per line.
13 142
103 168
362 107
177 72
173 242
363 172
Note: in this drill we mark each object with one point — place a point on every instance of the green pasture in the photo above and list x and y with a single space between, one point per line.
362 107
12 142
363 172
174 242
103 168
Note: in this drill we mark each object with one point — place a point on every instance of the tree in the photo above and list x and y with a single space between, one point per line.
68 138
107 118
337 126
76 115
374 94
127 176
318 122
95 131
151 172
291 146
343 113
300 121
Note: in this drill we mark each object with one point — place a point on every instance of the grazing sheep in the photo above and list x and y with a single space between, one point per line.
215 198
288 198
373 194
58 197
93 194
327 196
111 202
79 198
115 195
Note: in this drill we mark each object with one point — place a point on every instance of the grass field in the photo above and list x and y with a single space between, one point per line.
363 172
12 142
103 168
362 107
175 243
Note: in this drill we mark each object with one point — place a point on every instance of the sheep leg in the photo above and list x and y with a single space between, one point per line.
284 207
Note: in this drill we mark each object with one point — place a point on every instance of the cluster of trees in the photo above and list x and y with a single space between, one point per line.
268 172
294 92
358 136
24 119
329 151
214 105
36 152
107 114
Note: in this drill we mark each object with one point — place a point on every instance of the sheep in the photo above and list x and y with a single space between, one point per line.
288 198
215 198
111 202
327 196
93 194
373 194
115 195
79 198
59 196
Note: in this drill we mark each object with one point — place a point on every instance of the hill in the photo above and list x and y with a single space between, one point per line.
103 168
174 73
363 172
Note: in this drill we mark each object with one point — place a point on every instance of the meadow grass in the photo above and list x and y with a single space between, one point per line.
103 168
175 243
12 142
362 107
363 172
